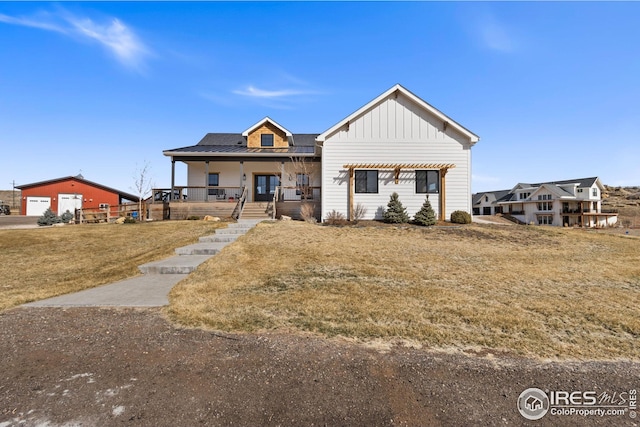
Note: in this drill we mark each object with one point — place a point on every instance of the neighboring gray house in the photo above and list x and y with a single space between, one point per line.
485 203
573 202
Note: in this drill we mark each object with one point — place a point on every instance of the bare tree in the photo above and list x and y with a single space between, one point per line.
143 185
307 171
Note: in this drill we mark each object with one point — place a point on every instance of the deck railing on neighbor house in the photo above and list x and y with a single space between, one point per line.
197 194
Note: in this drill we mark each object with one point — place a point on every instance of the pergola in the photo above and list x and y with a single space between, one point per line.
397 167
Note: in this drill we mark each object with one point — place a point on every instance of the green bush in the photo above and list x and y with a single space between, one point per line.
426 215
49 218
395 213
460 217
66 217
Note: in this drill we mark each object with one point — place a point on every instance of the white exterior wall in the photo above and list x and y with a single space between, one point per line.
230 175
395 131
486 204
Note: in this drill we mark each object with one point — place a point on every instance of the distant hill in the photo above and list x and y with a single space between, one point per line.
626 200
8 198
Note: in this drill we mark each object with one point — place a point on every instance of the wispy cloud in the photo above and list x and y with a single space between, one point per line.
116 37
495 35
285 97
255 92
33 23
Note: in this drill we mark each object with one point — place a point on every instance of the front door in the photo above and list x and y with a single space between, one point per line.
264 186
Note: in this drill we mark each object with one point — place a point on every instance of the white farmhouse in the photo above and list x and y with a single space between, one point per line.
395 143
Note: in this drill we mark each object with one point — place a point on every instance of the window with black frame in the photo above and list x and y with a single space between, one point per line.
366 181
266 140
427 181
213 181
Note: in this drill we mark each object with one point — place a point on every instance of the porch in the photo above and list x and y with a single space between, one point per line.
183 202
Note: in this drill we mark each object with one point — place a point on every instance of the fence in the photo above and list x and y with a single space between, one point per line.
107 213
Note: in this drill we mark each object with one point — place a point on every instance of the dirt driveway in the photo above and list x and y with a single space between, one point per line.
18 221
112 367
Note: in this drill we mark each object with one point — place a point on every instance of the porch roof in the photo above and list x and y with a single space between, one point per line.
235 144
237 150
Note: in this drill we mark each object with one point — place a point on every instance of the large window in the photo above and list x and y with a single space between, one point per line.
427 182
213 181
367 181
545 220
266 140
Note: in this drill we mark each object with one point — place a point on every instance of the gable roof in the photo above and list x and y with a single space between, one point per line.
498 194
554 189
80 178
263 121
581 182
473 138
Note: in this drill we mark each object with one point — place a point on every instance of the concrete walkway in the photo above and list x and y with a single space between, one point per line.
152 288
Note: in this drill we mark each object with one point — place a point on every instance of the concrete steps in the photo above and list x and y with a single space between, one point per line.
188 258
202 248
152 288
255 210
178 264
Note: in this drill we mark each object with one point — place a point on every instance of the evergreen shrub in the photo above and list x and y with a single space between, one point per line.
395 213
460 217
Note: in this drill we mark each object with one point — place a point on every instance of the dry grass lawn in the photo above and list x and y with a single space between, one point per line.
45 262
536 291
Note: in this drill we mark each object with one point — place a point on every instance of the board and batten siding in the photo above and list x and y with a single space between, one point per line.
395 130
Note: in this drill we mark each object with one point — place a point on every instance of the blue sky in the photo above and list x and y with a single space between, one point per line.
552 89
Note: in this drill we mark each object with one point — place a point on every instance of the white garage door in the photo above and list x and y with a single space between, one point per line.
37 205
69 202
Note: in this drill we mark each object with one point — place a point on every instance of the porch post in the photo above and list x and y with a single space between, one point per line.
351 193
173 177
242 183
443 194
206 180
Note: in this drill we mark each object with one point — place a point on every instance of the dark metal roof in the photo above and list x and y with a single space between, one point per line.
235 143
499 194
582 182
239 149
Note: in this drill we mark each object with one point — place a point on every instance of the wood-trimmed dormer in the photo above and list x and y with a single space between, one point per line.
268 134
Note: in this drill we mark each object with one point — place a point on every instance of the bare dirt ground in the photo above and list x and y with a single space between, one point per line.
112 367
